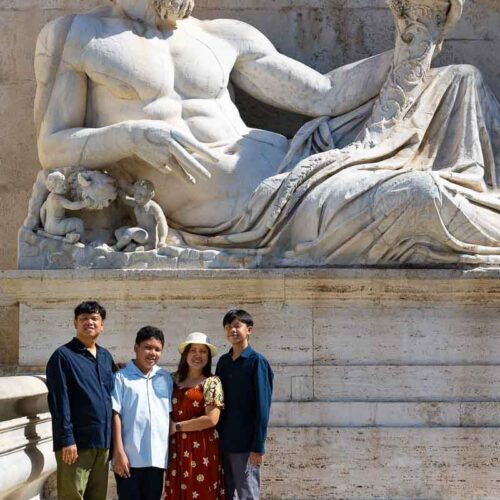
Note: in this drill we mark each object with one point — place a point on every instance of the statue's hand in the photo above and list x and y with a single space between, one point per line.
89 203
155 142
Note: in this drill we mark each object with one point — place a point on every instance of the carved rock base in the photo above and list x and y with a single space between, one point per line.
39 251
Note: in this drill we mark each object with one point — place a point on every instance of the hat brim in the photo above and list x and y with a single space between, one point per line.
213 350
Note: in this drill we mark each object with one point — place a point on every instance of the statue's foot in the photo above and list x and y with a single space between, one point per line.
170 251
131 247
72 238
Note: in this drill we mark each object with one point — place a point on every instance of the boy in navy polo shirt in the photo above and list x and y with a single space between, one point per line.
247 380
80 381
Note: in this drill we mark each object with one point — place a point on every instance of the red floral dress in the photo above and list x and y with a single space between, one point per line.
195 465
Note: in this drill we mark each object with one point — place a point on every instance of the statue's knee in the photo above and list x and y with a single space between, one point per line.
422 183
416 191
77 226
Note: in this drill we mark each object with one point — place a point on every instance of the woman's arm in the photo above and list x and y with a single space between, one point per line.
214 401
210 419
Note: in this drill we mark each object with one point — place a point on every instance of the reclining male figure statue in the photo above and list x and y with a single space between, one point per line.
141 88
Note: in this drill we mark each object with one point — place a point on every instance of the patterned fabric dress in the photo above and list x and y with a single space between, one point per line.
195 465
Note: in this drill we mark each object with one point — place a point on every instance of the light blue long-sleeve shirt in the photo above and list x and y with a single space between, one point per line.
144 403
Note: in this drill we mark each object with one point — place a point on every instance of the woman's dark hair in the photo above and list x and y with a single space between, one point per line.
149 332
183 367
240 315
90 307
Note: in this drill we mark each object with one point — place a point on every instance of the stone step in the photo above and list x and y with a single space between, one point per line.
388 414
387 383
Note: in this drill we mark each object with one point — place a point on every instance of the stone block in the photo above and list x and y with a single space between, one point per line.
51 5
335 463
384 414
405 333
302 388
17 46
407 383
283 333
482 53
9 338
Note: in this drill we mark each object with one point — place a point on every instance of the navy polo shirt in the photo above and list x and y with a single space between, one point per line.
79 397
248 385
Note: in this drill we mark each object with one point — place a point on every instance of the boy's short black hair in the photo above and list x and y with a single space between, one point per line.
149 332
240 315
90 307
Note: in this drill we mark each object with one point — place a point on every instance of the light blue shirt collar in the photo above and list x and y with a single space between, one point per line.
132 369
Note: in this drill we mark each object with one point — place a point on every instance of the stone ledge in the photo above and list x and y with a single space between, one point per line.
253 285
22 396
386 414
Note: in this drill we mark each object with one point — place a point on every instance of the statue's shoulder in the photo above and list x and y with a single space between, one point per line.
53 33
56 32
238 33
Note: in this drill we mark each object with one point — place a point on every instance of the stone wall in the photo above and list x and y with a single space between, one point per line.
387 382
321 33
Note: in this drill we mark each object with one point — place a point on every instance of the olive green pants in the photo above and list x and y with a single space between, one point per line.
87 479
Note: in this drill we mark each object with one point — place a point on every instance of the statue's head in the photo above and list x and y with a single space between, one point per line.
177 9
144 191
164 10
56 182
96 187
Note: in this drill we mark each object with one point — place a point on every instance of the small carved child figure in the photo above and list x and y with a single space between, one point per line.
54 207
152 228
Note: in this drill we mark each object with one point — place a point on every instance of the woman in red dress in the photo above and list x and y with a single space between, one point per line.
195 465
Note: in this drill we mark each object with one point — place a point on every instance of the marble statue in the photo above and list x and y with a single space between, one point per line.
398 165
152 228
54 208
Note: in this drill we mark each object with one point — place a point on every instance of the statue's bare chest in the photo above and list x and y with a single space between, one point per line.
146 65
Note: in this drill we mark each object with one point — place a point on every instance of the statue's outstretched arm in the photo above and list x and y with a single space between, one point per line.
288 84
71 205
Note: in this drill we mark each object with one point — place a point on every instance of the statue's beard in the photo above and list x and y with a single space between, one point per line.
179 9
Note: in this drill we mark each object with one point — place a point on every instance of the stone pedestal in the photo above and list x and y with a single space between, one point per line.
387 381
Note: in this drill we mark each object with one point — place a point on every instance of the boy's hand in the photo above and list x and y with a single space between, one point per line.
255 458
70 454
121 464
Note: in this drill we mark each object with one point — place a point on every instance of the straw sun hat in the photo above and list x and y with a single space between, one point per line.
198 338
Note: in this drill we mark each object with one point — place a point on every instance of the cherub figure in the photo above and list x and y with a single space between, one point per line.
152 228
54 208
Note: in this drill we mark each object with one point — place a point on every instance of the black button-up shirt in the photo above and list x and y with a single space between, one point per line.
79 397
248 385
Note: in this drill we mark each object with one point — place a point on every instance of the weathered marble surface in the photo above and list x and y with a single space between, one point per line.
388 172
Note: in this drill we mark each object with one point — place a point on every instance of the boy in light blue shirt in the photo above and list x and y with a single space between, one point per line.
141 408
